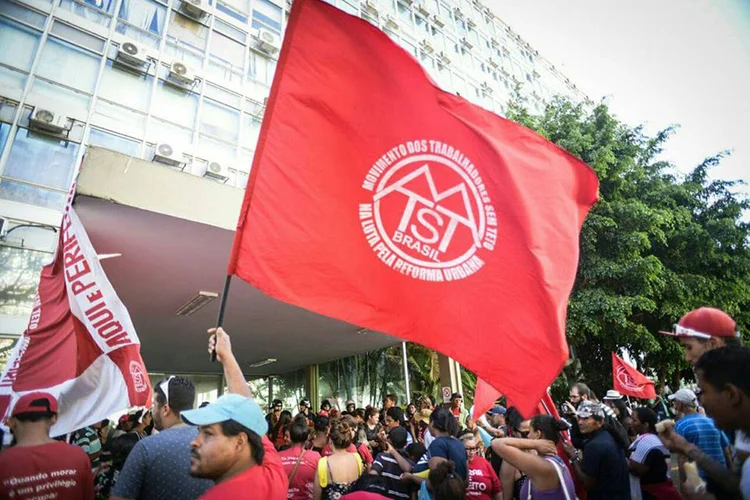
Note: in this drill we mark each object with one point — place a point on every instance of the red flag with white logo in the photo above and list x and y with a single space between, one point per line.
80 344
630 381
381 200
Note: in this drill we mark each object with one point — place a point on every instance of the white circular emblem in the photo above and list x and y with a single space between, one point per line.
138 376
626 380
428 214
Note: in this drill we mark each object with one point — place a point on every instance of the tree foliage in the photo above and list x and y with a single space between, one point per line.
657 244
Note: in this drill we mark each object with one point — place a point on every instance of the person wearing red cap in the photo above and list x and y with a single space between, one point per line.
698 332
38 466
704 329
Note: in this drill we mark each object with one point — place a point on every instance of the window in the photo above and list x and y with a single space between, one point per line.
187 31
18 44
223 96
144 14
41 159
118 118
11 82
160 131
175 105
4 131
404 13
251 131
267 15
31 195
19 280
179 53
261 68
138 35
21 13
65 63
70 101
229 30
126 88
78 37
220 121
227 50
232 12
349 6
220 72
213 149
114 142
85 11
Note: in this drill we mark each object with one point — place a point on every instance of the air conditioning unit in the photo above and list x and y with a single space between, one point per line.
438 21
268 41
45 119
181 73
426 46
168 154
371 7
423 9
492 62
471 23
443 57
196 8
132 54
486 88
391 22
466 43
217 171
3 227
457 12
488 12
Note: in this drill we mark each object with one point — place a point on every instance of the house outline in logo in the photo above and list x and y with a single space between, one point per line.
476 225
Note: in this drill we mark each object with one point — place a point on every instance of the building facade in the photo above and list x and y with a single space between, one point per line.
183 83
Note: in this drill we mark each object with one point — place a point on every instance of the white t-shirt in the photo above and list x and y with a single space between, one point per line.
745 485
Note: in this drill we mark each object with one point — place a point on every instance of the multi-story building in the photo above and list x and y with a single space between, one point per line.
182 84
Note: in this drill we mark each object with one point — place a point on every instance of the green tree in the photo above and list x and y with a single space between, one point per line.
657 244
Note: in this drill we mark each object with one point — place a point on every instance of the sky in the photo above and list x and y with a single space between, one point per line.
657 63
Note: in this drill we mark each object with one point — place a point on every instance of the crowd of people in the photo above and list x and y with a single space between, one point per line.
599 449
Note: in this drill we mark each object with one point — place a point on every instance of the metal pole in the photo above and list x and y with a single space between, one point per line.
406 373
222 306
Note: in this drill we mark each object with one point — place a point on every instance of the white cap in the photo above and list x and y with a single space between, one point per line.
685 396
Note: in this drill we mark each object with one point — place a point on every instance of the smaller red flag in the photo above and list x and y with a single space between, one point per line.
630 381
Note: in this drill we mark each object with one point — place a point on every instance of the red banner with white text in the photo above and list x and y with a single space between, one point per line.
80 344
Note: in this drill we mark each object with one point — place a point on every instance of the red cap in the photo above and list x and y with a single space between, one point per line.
705 323
35 402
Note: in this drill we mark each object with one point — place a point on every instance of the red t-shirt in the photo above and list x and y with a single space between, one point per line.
363 450
52 470
301 488
267 481
483 482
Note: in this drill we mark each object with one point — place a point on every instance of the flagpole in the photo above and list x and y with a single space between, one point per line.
406 373
222 307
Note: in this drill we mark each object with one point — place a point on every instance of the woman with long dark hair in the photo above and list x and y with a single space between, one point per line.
547 476
649 461
278 433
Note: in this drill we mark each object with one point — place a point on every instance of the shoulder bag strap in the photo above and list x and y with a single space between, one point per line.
296 466
558 469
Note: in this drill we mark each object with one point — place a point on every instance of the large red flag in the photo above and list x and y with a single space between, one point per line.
80 344
379 199
630 381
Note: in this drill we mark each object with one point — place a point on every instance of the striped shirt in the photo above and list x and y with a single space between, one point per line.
387 467
702 432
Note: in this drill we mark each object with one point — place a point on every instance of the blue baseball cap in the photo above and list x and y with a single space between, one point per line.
245 411
497 410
